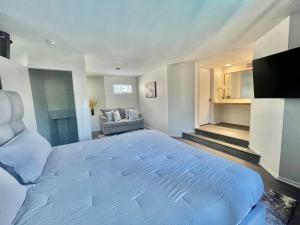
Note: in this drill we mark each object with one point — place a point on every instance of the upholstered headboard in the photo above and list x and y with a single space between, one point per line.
11 114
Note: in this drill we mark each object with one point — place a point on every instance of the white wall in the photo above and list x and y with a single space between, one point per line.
290 154
101 88
155 110
196 99
16 78
181 98
173 110
235 114
274 41
95 87
76 64
120 100
267 114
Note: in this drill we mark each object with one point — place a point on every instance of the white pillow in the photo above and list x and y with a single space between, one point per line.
25 156
133 114
127 112
12 195
117 116
109 116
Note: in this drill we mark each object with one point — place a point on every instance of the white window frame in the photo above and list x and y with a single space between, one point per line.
122 89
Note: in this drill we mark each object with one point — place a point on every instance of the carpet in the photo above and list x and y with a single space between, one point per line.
279 207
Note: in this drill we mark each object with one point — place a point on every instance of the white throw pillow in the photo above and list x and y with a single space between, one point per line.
12 195
133 114
127 112
25 156
117 116
109 116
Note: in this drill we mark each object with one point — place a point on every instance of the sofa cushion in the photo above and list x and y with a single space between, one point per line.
116 115
135 122
110 116
133 114
106 110
127 112
114 124
122 113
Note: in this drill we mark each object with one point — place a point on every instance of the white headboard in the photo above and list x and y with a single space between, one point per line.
11 114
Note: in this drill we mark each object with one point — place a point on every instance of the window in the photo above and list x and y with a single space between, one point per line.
122 89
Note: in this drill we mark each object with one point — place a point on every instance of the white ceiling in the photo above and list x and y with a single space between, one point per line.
138 35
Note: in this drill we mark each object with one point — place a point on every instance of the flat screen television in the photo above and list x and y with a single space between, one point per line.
278 75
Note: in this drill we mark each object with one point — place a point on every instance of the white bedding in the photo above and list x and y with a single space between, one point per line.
139 178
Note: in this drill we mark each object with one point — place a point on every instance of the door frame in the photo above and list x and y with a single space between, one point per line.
197 97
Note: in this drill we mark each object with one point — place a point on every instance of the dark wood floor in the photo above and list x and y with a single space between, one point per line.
269 181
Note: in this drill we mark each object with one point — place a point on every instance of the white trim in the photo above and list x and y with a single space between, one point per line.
270 171
196 95
276 175
288 181
148 127
253 149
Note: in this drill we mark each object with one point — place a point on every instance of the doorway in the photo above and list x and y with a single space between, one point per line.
54 104
204 96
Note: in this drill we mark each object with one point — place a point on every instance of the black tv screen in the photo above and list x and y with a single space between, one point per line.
278 75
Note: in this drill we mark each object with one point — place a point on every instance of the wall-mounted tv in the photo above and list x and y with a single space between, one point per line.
278 75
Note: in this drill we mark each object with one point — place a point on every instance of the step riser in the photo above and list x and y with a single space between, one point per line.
221 137
226 149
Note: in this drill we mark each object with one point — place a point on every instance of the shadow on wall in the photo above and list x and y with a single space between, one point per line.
54 105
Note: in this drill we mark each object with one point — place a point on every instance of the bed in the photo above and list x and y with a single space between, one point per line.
142 178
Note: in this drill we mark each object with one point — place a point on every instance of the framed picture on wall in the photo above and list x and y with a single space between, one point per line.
150 90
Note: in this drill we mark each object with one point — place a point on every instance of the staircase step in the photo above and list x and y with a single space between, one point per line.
222 137
232 149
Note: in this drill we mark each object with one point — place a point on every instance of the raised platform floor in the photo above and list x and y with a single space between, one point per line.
228 138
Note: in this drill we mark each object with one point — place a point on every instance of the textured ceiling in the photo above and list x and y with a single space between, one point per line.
138 35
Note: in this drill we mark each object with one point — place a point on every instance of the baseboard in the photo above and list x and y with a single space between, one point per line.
98 130
290 182
277 177
270 171
148 127
253 149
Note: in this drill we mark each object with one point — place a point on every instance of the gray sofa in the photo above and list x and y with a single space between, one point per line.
119 126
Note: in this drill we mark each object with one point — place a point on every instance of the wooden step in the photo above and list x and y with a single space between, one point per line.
222 137
232 149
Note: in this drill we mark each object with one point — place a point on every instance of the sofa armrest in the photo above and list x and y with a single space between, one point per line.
103 119
140 116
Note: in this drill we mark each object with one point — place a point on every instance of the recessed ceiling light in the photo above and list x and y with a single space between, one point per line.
228 64
50 42
118 68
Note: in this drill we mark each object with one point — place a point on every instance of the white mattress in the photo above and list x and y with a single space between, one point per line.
139 178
